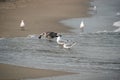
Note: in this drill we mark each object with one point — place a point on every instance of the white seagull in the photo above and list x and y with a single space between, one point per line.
82 25
60 41
68 45
65 43
94 8
22 25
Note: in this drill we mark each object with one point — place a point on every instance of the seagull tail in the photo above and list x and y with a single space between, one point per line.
74 43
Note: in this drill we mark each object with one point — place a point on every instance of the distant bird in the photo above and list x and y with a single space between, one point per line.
48 35
82 25
22 25
93 8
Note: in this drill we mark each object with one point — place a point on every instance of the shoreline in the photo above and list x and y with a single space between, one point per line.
40 16
12 72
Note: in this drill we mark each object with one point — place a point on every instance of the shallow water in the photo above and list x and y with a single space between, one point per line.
93 53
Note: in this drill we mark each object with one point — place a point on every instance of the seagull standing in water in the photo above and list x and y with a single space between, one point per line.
82 25
94 8
65 43
68 45
22 25
60 41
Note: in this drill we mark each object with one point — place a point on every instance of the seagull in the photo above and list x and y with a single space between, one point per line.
68 45
60 41
65 43
94 8
82 25
22 24
48 35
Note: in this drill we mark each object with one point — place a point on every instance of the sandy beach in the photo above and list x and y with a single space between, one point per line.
10 72
39 16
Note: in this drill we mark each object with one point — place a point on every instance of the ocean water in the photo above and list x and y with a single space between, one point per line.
94 53
96 56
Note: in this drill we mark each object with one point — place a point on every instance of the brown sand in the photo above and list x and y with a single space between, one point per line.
39 15
10 72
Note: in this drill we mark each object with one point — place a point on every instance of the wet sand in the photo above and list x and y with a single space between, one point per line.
10 72
39 16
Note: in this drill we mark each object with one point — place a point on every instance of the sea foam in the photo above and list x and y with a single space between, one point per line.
117 24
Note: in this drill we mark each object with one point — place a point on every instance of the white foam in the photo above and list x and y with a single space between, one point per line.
2 38
117 30
117 24
104 31
118 13
32 36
